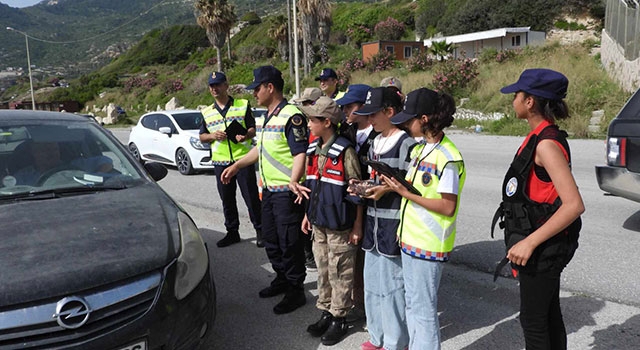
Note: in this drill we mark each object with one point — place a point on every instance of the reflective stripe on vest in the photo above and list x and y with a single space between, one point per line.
226 152
423 233
274 155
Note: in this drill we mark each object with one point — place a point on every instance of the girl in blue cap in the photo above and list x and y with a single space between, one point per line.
541 206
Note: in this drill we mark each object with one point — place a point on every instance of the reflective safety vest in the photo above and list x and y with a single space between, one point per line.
327 204
338 96
425 234
274 155
226 152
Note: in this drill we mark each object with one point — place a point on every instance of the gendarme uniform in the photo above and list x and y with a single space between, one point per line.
422 233
226 152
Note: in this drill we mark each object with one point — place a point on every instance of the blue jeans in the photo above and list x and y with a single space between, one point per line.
384 301
421 282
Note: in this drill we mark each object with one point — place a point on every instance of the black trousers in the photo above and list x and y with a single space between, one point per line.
283 236
246 179
540 314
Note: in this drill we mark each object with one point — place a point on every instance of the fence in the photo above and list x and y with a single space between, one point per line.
622 22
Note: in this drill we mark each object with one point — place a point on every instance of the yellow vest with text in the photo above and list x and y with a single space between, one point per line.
339 95
225 152
274 155
422 233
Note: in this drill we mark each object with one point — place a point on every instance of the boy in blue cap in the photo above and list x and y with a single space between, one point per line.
282 138
329 83
224 151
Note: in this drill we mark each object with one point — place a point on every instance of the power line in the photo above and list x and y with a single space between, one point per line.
102 34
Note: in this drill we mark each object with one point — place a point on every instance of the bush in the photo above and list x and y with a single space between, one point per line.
255 53
420 62
381 61
139 82
504 55
172 86
191 67
251 17
454 75
488 55
358 34
354 64
390 29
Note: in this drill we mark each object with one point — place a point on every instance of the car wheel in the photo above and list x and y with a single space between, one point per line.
183 162
135 152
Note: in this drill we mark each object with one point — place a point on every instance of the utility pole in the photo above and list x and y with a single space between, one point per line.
26 39
295 40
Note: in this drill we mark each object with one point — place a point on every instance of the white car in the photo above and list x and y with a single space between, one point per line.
171 137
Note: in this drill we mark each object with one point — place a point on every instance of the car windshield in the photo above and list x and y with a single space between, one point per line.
188 121
57 156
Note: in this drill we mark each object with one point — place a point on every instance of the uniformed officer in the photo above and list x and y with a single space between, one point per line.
282 144
227 149
329 83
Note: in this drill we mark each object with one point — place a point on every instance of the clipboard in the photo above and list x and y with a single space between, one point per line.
386 170
233 129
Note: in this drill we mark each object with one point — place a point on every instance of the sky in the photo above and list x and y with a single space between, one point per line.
20 3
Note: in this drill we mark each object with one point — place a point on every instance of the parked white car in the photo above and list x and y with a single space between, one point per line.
172 138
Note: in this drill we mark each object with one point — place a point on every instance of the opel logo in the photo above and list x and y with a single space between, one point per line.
72 312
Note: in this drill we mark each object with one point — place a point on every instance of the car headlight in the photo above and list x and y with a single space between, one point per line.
193 260
195 143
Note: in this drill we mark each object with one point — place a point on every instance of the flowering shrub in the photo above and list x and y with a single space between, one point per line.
140 82
390 29
454 75
420 62
358 34
191 67
354 64
344 79
383 60
212 61
171 86
506 55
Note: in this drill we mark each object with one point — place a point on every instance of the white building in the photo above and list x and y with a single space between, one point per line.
500 39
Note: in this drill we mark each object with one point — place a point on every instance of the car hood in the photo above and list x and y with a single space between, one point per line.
57 247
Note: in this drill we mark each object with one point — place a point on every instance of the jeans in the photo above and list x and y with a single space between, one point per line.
540 314
384 301
421 282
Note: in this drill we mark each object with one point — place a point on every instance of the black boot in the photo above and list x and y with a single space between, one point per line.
293 299
337 330
231 238
259 241
276 287
317 329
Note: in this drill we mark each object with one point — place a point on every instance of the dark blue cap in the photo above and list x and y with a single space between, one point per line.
418 102
217 78
265 74
354 93
545 83
377 99
327 73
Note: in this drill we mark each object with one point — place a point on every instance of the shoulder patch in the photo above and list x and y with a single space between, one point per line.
297 120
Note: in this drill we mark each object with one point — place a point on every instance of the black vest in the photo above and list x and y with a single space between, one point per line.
520 216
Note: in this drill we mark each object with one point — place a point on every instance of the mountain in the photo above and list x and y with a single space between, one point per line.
80 35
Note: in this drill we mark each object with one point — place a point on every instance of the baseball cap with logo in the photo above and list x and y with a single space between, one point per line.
217 78
392 82
377 99
354 93
309 95
265 74
418 102
545 83
324 107
327 73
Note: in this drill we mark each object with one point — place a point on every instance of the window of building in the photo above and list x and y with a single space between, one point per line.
389 48
515 41
408 51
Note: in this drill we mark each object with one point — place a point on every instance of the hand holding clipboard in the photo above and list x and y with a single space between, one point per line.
234 129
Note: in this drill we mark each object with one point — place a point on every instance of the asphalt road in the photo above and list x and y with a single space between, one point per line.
601 288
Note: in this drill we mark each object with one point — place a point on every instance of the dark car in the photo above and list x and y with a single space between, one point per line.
621 174
95 255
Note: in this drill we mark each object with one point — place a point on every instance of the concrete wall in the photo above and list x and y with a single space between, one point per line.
625 72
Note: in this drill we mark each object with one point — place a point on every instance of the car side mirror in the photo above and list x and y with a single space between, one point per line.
165 130
157 171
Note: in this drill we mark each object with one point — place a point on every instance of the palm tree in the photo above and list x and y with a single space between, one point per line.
279 31
441 49
312 12
217 18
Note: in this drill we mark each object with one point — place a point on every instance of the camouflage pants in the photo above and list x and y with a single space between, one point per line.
335 259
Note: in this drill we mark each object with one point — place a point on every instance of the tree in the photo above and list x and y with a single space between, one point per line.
279 31
312 14
217 18
441 49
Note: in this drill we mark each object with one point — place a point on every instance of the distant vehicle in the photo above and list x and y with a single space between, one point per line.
172 138
621 174
95 255
121 111
259 112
